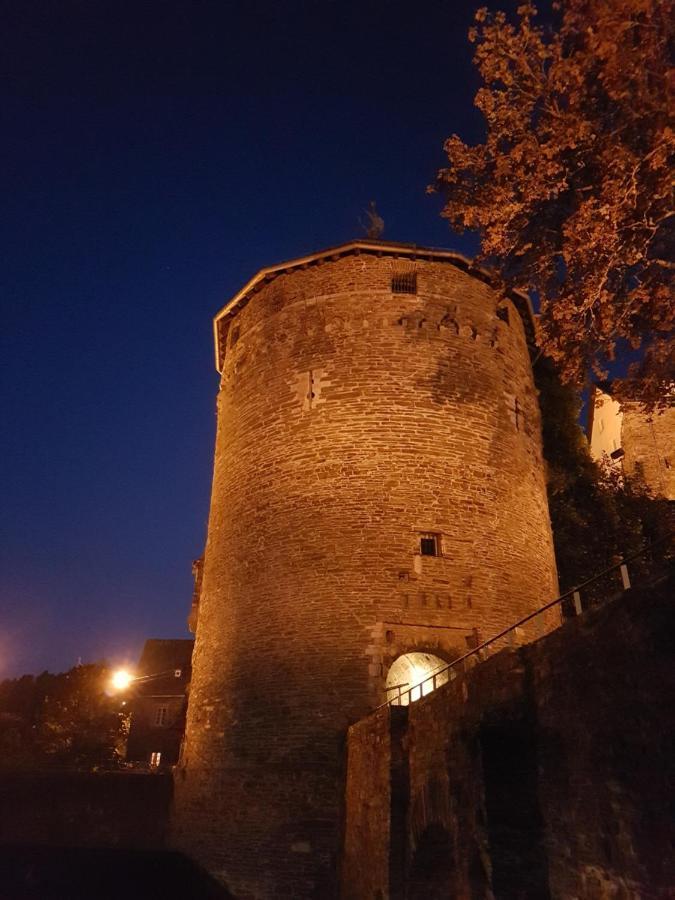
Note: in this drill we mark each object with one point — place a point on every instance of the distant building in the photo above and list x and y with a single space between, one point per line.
643 445
159 702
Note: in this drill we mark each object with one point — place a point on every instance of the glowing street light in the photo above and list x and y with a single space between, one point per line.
121 679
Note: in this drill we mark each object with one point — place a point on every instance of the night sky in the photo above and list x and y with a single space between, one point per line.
154 157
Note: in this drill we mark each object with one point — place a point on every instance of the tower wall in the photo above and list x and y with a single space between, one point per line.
351 422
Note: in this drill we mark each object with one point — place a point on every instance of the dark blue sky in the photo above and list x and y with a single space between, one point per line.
154 156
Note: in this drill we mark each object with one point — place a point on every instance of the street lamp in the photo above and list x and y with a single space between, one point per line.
121 679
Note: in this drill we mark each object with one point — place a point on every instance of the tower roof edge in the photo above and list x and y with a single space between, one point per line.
380 248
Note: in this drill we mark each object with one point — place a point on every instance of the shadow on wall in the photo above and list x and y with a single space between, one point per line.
514 821
433 866
58 873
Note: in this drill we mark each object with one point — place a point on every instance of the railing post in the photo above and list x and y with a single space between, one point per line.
624 577
577 603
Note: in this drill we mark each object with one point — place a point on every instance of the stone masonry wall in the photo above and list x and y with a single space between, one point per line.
649 445
545 771
351 420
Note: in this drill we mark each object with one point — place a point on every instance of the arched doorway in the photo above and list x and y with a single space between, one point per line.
412 673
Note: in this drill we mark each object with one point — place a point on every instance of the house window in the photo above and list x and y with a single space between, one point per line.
155 758
430 545
161 715
177 673
404 283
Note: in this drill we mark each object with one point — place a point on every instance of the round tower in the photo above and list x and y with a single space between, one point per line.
378 500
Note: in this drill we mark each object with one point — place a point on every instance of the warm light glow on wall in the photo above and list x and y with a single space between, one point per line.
408 673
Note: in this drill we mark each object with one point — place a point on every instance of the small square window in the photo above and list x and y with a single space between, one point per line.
177 673
404 283
429 545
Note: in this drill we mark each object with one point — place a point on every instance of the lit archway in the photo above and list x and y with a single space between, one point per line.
410 676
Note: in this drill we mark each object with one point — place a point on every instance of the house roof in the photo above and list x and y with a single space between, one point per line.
160 660
375 248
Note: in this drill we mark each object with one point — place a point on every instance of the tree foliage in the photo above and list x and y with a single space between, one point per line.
61 720
571 190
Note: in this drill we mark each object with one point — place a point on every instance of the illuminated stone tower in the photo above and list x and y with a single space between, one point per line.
378 506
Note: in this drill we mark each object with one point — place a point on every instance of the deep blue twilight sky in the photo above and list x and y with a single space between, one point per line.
154 156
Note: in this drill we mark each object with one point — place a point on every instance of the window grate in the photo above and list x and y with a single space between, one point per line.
429 545
404 283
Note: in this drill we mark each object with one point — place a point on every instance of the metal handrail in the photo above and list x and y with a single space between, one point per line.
475 651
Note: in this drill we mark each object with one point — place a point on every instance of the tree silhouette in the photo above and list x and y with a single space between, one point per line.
571 190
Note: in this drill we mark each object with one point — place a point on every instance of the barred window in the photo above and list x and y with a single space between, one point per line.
430 544
404 283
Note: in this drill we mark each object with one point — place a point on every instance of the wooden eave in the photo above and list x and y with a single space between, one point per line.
375 248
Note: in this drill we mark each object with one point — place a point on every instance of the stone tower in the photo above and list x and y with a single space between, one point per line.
378 494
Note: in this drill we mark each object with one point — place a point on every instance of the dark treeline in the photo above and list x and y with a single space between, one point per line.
64 720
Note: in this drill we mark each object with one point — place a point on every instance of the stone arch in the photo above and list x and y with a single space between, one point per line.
410 670
433 871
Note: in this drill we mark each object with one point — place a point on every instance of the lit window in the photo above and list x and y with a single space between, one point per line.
429 545
177 673
404 283
155 758
161 715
